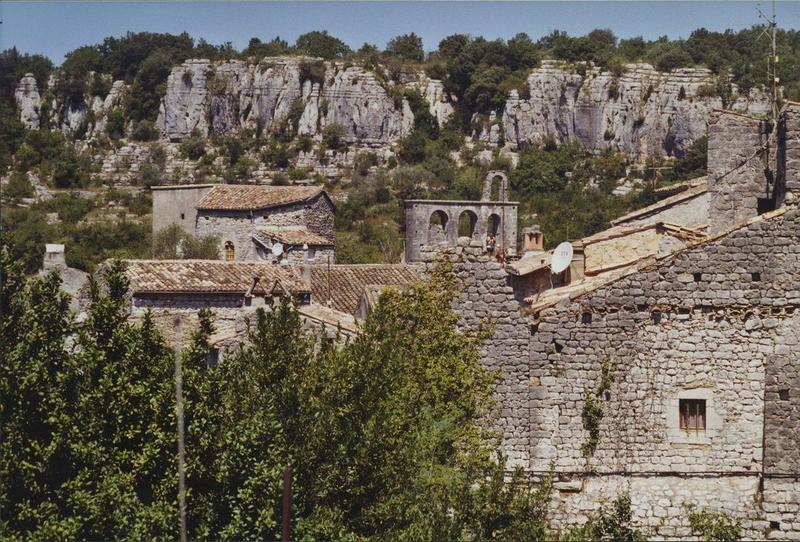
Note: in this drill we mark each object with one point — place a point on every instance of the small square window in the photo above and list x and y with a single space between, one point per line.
586 318
756 277
692 414
697 277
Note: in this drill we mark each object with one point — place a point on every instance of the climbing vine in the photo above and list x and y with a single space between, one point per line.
593 409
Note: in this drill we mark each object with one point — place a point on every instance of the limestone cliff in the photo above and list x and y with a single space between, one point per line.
642 112
28 101
220 98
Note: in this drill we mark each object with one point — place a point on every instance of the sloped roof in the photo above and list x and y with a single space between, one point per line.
209 276
552 297
697 188
244 197
290 236
348 282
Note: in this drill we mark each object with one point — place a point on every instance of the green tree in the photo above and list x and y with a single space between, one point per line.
173 242
407 47
322 45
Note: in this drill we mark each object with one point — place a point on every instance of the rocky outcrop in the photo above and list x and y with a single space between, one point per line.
221 98
28 101
642 112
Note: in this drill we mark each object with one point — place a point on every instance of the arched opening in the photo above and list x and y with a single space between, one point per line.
466 224
497 188
230 251
494 225
437 227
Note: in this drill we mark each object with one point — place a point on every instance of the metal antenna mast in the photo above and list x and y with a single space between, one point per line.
772 62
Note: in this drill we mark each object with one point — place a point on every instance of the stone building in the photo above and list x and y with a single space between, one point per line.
253 222
689 352
493 219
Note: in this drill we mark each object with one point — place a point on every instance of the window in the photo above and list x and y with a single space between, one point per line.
311 253
230 251
183 216
692 413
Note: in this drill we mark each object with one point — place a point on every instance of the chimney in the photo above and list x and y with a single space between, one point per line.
738 185
54 257
532 239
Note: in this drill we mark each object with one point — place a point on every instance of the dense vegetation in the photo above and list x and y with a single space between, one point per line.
385 436
562 188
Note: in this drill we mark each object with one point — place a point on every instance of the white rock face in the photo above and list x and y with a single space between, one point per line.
184 108
226 97
28 101
643 112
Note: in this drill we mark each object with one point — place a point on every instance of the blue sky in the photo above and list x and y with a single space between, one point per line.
55 28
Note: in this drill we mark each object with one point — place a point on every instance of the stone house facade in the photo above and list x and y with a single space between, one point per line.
253 222
690 357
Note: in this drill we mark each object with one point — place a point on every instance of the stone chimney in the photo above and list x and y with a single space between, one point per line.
532 239
787 186
739 185
54 257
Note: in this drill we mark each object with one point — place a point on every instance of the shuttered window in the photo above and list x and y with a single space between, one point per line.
692 414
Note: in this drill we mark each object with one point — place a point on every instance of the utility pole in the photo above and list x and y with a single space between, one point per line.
772 61
181 444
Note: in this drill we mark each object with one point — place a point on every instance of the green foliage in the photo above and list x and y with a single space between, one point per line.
194 146
19 186
384 435
257 48
115 125
333 136
69 208
592 411
407 47
322 45
714 526
173 242
144 130
614 524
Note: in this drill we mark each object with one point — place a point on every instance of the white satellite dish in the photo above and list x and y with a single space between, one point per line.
277 249
562 256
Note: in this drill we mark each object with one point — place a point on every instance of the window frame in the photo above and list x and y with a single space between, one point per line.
692 410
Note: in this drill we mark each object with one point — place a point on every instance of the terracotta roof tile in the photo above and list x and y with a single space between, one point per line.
186 276
348 282
290 236
243 197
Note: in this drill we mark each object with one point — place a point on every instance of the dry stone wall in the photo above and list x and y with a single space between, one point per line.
712 323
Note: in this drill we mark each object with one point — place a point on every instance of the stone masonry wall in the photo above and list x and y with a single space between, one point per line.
789 154
488 298
238 226
712 322
736 162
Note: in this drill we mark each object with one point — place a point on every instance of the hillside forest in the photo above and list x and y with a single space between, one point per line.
55 190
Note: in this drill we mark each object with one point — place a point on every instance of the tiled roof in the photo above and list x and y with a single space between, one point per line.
348 282
210 276
290 236
698 188
243 197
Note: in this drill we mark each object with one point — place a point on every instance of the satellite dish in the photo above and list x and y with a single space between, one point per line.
277 249
562 256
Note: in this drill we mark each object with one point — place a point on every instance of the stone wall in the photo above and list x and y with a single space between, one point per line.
788 182
713 323
238 226
737 157
717 322
419 230
176 205
488 298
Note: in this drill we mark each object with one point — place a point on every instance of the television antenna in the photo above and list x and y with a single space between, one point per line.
771 30
562 257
